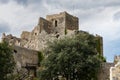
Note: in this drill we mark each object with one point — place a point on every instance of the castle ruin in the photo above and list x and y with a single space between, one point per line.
55 26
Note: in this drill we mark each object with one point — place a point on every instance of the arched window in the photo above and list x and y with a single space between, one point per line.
55 23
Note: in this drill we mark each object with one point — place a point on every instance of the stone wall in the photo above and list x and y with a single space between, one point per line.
58 22
104 73
24 56
62 21
72 22
45 25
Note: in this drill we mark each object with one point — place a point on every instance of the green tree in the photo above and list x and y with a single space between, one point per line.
6 61
74 58
65 31
40 57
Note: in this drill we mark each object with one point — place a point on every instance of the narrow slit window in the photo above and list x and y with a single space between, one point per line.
35 33
55 23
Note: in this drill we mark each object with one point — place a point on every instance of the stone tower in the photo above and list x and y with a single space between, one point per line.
57 23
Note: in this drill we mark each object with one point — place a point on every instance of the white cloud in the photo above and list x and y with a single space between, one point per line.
18 17
103 23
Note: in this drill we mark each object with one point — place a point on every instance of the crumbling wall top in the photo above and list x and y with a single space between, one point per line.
116 59
53 16
25 35
61 14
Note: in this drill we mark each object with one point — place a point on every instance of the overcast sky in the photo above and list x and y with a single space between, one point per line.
95 16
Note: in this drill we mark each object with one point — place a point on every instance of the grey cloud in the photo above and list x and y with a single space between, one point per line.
4 1
69 4
116 16
88 14
4 27
23 2
80 4
27 2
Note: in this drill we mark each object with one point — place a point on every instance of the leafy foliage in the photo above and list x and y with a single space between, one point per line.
6 61
74 58
65 31
40 57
